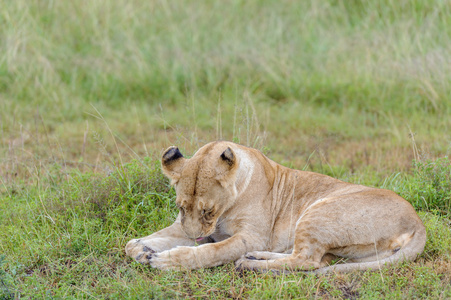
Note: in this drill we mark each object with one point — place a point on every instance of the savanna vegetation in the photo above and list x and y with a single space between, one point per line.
91 92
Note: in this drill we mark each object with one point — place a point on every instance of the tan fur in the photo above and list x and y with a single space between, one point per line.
264 216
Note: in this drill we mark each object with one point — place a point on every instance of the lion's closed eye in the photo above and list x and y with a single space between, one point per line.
182 210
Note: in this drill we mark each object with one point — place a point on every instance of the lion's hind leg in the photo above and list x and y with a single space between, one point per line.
308 254
289 263
308 259
264 255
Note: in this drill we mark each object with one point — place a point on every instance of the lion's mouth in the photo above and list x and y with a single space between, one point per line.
199 239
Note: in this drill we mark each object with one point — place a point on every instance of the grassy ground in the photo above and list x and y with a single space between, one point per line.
91 92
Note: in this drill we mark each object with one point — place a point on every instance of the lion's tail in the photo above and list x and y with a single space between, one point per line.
407 253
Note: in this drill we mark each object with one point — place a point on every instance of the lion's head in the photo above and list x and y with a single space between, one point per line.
204 184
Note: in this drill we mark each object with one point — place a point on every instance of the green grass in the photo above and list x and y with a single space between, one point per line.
68 241
91 92
326 76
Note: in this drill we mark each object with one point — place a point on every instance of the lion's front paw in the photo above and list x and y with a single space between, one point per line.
175 259
145 255
141 253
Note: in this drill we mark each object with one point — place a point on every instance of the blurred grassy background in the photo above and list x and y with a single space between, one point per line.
354 89
343 83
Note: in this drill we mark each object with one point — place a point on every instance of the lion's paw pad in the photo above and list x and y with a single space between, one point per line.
145 255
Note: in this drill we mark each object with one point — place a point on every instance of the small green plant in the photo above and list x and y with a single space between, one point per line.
438 243
5 281
430 187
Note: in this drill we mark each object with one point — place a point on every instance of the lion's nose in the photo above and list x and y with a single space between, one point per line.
191 233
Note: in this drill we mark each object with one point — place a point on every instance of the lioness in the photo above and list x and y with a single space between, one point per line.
238 205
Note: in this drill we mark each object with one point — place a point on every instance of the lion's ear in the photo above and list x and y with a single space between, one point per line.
228 157
172 163
226 168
